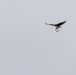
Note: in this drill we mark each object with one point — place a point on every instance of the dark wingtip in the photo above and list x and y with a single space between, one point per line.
46 23
65 20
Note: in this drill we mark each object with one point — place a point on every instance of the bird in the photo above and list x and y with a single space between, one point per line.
58 25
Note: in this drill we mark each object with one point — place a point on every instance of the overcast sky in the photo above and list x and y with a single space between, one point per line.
28 46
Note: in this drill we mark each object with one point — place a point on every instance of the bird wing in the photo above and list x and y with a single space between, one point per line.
49 24
61 23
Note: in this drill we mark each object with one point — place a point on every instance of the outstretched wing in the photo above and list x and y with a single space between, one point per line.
61 23
49 24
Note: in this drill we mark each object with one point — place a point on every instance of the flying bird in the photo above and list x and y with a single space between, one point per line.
58 25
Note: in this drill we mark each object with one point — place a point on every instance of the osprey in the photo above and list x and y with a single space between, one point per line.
58 25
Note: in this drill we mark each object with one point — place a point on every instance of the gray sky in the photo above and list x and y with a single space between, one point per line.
28 46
